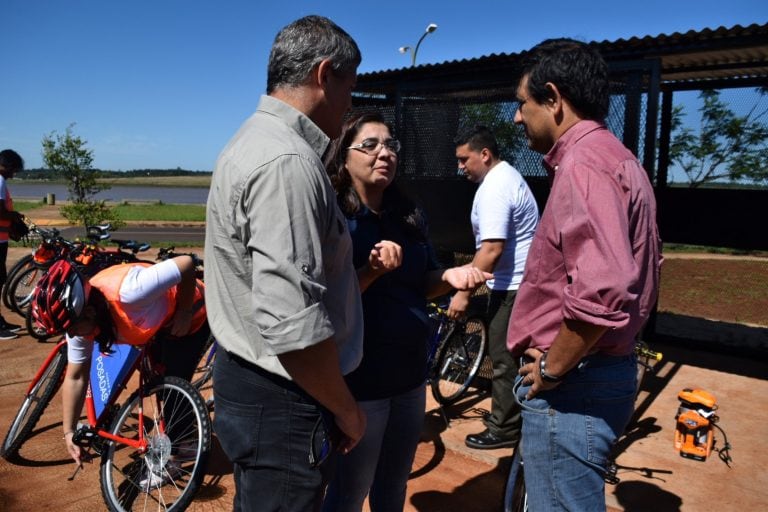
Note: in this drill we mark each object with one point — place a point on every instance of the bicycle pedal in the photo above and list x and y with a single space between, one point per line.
85 437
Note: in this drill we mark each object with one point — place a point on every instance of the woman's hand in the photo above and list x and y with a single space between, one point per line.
74 451
385 257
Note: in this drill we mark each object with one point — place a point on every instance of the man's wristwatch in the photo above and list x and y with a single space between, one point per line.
546 377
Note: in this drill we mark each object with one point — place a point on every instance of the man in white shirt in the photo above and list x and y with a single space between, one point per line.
504 218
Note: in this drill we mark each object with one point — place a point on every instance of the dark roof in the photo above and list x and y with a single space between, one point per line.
709 54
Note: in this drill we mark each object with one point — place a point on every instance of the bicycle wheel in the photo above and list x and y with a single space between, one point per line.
515 495
201 379
204 369
36 331
178 430
459 360
34 404
22 264
21 288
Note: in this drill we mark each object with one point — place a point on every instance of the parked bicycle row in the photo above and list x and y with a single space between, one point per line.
154 445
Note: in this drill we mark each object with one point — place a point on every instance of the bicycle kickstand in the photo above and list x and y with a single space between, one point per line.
77 470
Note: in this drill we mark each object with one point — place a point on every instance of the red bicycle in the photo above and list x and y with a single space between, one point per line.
153 447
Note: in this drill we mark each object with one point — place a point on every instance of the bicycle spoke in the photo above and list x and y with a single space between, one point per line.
177 431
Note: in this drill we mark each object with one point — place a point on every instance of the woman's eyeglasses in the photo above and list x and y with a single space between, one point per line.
372 146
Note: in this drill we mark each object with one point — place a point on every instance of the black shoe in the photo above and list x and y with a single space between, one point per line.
7 335
487 440
9 326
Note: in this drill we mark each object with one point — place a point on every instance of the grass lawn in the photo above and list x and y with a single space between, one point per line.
725 289
23 206
161 212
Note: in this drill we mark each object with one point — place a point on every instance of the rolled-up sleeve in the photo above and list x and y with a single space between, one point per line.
289 210
597 254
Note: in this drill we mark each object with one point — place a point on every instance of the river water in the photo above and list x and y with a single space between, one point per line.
170 195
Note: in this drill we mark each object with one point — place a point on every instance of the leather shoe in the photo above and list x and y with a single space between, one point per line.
487 440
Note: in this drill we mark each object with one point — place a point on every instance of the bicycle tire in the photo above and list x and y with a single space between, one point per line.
204 368
202 378
123 467
459 360
23 263
34 404
37 332
515 495
21 288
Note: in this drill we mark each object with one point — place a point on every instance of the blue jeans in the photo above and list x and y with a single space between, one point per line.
381 462
264 424
568 433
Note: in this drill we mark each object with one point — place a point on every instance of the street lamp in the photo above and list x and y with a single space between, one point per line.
403 49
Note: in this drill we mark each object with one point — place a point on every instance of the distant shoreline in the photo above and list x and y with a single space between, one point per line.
136 181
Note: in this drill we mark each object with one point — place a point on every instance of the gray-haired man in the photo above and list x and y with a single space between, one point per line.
284 298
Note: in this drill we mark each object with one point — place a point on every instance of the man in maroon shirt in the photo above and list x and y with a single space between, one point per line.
590 280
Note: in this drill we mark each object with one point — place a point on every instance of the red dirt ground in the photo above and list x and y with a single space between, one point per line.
448 476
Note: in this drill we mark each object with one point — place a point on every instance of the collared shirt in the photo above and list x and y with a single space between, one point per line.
278 256
504 209
596 253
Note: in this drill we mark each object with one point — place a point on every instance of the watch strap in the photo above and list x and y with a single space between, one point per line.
546 377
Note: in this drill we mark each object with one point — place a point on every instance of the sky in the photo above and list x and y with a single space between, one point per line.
161 84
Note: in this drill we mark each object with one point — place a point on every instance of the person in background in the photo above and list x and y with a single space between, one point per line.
282 294
10 164
590 281
397 271
504 218
131 303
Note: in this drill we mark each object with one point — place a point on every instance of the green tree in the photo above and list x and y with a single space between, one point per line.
726 146
68 156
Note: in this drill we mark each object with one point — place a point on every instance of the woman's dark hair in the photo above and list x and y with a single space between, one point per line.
103 319
578 71
397 206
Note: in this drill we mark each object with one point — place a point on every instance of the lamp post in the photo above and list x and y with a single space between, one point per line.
403 49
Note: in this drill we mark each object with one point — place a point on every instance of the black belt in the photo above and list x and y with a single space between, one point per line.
276 379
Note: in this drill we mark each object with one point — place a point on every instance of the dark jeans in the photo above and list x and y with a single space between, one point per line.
180 356
505 419
264 425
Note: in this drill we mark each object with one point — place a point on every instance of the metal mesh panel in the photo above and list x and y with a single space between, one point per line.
427 124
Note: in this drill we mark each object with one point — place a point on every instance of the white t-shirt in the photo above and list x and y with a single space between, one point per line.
504 209
140 292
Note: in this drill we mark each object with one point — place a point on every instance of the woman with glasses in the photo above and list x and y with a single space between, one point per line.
397 271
